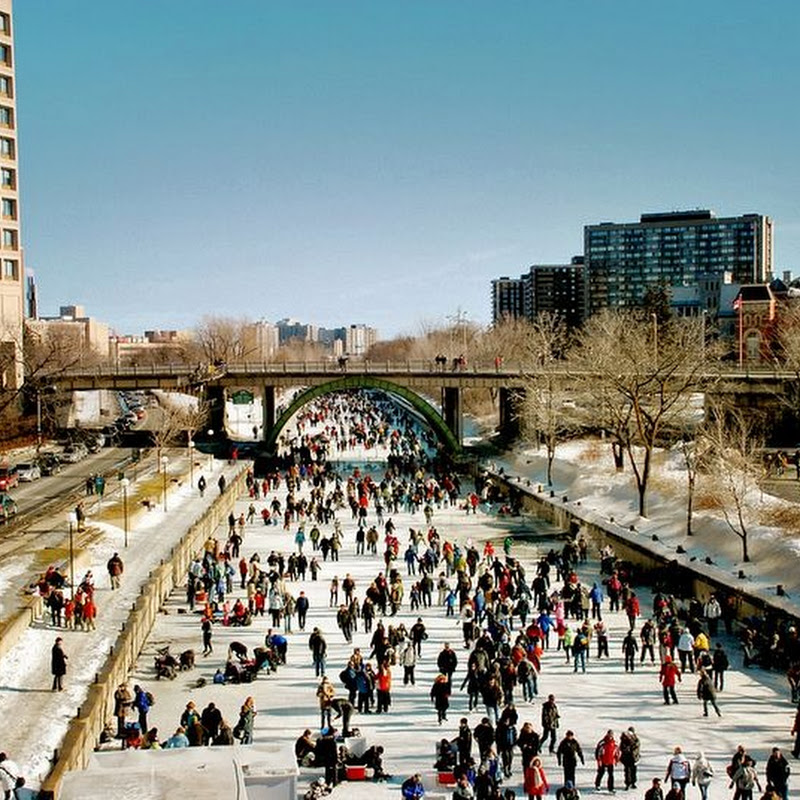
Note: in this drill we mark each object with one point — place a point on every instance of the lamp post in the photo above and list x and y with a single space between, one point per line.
72 519
164 462
38 420
125 483
210 453
191 462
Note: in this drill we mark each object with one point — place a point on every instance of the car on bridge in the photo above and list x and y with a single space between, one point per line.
8 507
9 478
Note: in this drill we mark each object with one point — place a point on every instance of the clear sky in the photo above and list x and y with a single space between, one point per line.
378 162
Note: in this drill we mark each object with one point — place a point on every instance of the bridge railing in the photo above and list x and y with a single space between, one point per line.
332 367
356 366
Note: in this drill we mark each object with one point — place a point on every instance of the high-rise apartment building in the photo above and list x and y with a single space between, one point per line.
508 299
12 280
554 288
683 248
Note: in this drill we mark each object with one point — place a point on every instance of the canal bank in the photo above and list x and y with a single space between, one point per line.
657 561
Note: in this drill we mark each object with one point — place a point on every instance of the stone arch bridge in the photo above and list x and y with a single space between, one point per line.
435 391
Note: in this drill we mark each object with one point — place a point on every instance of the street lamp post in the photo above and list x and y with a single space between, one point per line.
38 420
210 452
164 462
191 462
125 483
72 519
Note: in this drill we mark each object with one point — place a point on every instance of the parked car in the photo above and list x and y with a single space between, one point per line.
74 452
29 471
49 463
9 478
8 507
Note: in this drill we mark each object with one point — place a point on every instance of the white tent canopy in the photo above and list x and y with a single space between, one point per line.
249 772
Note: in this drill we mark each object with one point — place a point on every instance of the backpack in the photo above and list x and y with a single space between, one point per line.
150 699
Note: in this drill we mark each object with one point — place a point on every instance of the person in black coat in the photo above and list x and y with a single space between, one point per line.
778 772
58 665
447 663
568 753
327 756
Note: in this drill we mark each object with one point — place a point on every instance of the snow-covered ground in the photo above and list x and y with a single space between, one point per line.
32 719
755 705
584 471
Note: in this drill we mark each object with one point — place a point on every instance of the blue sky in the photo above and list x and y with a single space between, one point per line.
377 162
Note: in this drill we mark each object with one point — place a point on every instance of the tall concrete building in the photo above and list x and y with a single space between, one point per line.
12 279
676 249
554 288
508 298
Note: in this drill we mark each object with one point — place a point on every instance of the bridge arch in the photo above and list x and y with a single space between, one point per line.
428 412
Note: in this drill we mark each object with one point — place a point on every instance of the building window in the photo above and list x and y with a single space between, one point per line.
9 208
5 86
10 269
9 239
8 179
7 149
5 55
6 117
5 24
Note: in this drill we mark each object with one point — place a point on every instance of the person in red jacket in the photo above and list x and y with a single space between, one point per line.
607 755
632 609
535 783
89 613
668 675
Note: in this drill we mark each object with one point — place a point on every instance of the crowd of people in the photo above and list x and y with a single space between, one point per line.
513 619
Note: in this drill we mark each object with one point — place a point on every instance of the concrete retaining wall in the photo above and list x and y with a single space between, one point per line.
85 729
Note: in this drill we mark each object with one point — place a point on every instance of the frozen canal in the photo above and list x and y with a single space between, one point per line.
755 705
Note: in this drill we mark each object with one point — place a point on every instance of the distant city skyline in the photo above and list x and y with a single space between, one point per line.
375 161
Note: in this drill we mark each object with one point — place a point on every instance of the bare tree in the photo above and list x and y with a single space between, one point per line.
787 347
175 423
642 376
222 339
693 452
735 465
42 355
541 348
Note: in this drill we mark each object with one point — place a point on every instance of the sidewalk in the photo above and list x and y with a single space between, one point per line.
35 719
